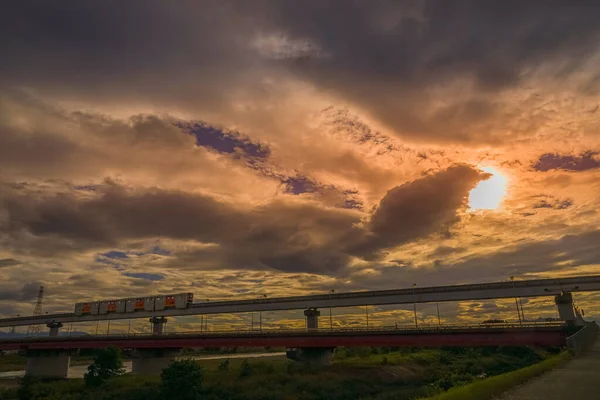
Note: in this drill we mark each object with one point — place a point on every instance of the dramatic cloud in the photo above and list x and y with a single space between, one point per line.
585 161
9 262
420 208
238 149
309 238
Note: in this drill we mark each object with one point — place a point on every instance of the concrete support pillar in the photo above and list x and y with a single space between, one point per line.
158 325
48 363
311 355
54 327
566 312
151 361
312 318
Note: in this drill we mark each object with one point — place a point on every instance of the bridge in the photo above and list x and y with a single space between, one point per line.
49 356
560 288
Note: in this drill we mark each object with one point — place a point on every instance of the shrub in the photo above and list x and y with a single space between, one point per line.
245 368
25 387
224 366
181 380
107 363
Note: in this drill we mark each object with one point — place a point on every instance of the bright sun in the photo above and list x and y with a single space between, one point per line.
488 194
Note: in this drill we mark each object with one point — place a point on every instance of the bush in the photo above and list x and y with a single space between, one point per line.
224 366
107 363
182 380
25 391
245 369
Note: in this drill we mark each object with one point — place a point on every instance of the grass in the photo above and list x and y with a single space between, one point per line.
489 388
356 374
16 362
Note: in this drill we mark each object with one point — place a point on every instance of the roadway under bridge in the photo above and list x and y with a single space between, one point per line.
512 289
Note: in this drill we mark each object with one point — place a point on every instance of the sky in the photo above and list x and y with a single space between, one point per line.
241 149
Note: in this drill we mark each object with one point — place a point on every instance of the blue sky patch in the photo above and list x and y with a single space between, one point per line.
160 251
115 254
145 275
224 142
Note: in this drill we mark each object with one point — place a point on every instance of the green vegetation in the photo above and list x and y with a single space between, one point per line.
16 362
182 380
107 363
489 388
355 374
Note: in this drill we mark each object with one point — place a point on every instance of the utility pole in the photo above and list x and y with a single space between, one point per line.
37 310
512 278
12 328
330 317
264 296
438 313
367 315
415 305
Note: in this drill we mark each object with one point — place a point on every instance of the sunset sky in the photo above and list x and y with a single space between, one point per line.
240 148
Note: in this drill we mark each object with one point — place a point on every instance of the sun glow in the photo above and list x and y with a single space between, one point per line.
488 194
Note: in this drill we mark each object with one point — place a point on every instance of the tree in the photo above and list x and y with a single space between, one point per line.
181 380
107 363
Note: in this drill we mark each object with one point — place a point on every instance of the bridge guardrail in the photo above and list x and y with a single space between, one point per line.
583 339
322 331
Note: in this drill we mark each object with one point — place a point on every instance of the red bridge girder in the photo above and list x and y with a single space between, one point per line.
463 339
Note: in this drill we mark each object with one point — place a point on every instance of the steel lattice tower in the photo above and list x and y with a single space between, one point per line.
37 310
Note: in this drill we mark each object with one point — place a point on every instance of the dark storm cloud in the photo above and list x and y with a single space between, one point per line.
114 51
289 236
420 208
382 56
28 291
544 256
522 261
581 162
9 262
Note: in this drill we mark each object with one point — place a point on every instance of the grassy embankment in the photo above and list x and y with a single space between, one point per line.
15 362
489 388
356 374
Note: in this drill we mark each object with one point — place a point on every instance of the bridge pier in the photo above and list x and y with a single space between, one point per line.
54 327
312 318
48 363
566 311
152 361
311 355
158 325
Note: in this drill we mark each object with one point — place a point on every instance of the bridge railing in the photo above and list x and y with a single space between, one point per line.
421 329
583 338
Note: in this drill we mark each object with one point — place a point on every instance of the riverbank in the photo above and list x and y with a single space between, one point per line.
355 374
79 364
